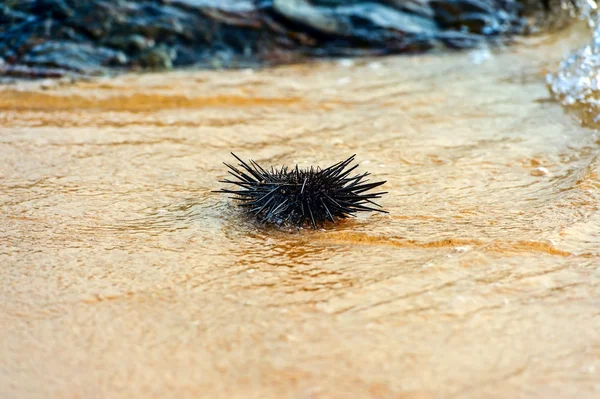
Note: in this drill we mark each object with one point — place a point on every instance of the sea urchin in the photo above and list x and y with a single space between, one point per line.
302 196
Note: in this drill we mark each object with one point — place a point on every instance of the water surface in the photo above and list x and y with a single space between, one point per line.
124 276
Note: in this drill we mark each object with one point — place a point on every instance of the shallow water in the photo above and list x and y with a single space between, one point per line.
576 83
124 276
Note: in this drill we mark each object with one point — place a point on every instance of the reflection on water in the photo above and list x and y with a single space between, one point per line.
124 276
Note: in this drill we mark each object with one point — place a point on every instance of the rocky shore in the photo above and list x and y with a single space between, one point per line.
52 38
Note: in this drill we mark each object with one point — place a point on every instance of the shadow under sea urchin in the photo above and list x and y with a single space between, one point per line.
302 196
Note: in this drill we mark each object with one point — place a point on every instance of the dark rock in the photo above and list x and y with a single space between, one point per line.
58 10
130 43
8 17
74 56
25 72
96 35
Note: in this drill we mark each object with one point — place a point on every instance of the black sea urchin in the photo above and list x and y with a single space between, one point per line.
302 196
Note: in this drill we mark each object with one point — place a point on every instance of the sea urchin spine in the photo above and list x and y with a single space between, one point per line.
302 196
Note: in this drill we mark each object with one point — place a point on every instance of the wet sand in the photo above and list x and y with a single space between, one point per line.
124 276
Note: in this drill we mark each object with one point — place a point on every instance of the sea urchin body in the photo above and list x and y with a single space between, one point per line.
302 196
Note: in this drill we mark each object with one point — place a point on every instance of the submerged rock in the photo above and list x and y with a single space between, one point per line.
95 36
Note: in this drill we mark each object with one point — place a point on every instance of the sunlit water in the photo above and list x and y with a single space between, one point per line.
124 276
576 83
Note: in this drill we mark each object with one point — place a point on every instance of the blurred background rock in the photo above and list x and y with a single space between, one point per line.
51 38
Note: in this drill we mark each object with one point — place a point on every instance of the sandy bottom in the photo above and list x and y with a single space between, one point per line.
123 276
